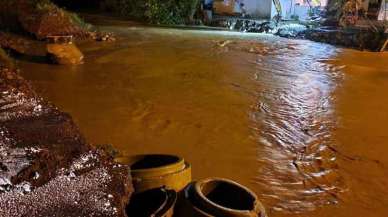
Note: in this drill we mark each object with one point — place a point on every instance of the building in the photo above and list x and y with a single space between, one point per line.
265 9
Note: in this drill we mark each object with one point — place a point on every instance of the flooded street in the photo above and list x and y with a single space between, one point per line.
302 124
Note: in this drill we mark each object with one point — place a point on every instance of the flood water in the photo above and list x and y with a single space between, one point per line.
303 124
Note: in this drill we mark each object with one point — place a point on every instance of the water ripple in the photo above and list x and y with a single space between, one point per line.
293 121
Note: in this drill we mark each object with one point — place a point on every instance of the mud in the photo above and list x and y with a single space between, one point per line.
22 45
40 19
46 166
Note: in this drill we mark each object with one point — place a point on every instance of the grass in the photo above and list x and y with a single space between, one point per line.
77 20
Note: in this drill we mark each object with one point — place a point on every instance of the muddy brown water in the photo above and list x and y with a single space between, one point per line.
302 124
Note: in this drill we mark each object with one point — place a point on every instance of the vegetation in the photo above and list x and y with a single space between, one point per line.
46 6
169 12
165 12
78 21
40 18
43 5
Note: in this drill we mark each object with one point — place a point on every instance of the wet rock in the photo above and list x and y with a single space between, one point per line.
47 168
292 30
102 36
224 43
258 27
348 37
60 49
65 54
245 25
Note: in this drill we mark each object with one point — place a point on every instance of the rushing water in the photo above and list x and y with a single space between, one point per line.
301 123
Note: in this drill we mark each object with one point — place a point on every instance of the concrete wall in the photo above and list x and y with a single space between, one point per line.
383 13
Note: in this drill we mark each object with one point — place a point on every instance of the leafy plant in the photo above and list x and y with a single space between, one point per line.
43 5
77 20
168 12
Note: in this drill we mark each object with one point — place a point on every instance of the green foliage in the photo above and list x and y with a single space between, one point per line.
163 12
126 8
170 11
167 12
46 6
43 5
77 20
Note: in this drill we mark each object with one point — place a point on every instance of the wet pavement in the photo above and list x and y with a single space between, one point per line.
300 123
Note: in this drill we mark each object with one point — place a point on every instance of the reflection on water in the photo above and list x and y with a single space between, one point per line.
300 123
294 118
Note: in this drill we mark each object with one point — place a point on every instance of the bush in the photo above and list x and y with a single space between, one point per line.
169 12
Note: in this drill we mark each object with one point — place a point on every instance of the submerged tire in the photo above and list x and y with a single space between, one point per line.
155 171
159 202
221 197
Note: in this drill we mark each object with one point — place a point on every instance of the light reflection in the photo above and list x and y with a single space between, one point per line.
295 118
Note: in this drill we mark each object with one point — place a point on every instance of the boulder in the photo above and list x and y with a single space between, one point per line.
65 54
291 30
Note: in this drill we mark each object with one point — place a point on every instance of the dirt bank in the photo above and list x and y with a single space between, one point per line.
46 166
39 18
